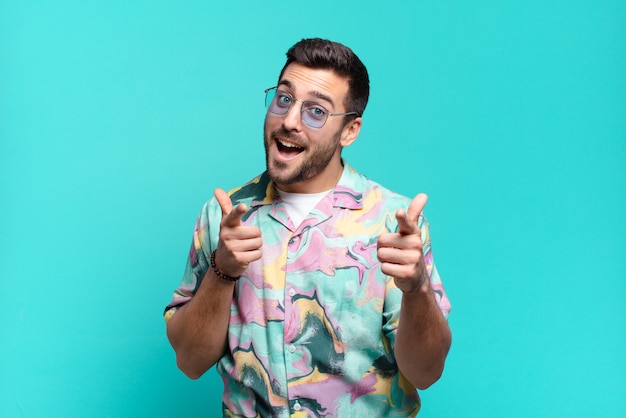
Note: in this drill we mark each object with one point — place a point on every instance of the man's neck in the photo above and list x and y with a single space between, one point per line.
318 184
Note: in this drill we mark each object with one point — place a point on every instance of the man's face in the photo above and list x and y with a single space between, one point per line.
299 158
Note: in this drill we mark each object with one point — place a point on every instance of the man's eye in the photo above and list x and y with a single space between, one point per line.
283 100
317 111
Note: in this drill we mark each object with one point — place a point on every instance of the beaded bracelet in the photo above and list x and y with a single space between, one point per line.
219 273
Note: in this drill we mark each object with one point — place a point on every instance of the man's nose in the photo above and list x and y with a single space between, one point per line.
292 120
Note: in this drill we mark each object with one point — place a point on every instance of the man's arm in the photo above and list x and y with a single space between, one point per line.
423 337
198 331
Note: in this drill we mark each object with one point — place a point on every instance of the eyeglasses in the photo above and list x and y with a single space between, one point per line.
313 114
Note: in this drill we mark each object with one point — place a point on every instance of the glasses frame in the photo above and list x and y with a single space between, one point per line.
302 102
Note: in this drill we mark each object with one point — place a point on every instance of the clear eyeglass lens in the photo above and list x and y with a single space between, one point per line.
278 102
269 99
313 115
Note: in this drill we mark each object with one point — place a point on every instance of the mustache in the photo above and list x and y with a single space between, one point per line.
290 136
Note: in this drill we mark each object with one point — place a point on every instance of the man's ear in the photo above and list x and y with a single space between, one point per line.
351 131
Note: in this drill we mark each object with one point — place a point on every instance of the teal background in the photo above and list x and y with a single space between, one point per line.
119 118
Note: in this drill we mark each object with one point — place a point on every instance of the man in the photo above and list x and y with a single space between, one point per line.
312 288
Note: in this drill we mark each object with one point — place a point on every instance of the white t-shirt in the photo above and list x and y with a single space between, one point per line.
299 205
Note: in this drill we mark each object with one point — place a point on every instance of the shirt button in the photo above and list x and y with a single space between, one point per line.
292 292
292 348
297 406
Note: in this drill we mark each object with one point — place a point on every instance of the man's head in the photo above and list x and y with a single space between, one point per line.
324 54
313 112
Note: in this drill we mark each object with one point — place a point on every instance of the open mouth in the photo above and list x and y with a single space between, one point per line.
287 149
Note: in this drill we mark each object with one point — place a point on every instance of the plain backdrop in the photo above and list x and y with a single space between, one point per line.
119 118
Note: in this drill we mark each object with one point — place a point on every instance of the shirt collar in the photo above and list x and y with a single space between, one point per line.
348 193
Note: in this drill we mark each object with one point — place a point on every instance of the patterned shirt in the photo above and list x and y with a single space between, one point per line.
313 322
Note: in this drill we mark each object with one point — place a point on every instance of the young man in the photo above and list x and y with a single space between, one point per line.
312 287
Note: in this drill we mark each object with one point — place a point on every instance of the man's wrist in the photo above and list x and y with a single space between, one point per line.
425 277
219 274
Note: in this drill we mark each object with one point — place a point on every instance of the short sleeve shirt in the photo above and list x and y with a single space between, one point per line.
313 322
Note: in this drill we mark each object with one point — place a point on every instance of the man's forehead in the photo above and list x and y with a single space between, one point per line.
314 82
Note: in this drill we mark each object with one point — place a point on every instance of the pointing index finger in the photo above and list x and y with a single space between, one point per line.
224 201
407 221
416 207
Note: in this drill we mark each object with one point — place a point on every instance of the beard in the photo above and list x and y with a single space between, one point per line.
313 165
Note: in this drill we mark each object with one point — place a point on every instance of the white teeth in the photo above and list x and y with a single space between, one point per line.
288 145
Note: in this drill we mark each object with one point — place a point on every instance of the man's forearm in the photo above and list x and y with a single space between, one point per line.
423 338
198 330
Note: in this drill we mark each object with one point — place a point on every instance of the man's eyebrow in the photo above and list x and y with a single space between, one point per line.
323 96
314 93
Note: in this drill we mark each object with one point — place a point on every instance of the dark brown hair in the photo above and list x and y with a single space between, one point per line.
324 54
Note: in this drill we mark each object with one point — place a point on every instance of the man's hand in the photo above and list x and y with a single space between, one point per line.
400 253
238 245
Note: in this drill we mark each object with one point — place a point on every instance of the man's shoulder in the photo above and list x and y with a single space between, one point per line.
359 183
257 189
